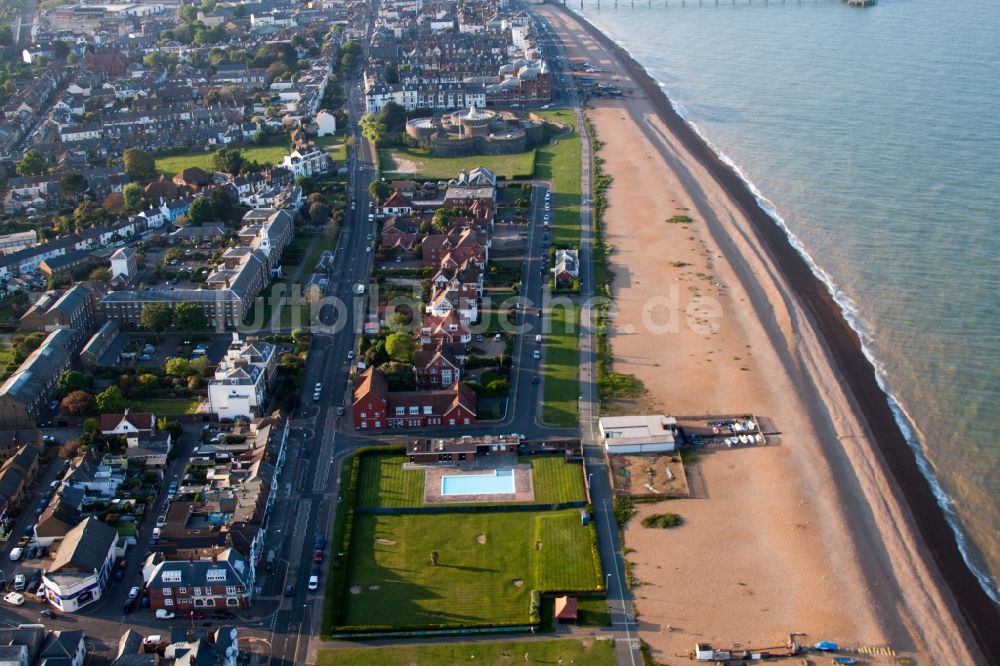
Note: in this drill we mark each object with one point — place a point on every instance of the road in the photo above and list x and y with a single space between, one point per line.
620 604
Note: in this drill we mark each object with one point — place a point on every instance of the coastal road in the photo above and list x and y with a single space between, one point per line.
620 604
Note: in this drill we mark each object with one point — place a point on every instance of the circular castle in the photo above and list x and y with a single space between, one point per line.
475 131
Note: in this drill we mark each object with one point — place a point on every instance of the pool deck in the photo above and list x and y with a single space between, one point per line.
523 488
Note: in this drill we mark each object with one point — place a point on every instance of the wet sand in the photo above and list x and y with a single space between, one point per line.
720 315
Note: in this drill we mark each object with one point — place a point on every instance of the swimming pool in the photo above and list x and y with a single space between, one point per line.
500 482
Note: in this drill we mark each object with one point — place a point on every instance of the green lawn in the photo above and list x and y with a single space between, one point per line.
592 612
554 479
392 583
6 359
382 481
560 165
166 406
335 146
562 366
168 166
584 652
518 165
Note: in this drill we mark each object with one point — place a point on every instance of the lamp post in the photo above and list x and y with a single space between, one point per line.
607 584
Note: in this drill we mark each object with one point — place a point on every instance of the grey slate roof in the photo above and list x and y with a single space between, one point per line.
84 547
25 384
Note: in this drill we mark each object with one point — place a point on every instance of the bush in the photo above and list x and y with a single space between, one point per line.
624 510
662 520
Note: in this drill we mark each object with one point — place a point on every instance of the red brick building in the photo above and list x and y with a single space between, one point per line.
436 368
375 407
220 580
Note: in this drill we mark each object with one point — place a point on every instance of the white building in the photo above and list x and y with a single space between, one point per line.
81 566
239 388
638 434
308 162
124 263
326 123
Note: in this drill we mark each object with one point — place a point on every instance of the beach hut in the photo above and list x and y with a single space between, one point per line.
565 609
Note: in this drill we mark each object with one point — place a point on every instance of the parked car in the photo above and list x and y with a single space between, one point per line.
289 590
164 614
320 543
193 615
49 613
133 593
317 556
20 582
224 615
535 380
16 554
313 583
14 598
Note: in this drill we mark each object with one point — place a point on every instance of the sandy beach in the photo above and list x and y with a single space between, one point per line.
812 535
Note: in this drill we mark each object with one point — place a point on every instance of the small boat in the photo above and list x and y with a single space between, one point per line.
715 429
844 660
749 426
738 427
826 646
744 439
760 438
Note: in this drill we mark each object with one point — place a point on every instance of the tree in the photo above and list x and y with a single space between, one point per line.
187 13
111 401
200 365
71 186
190 317
372 129
379 190
78 403
148 382
32 163
139 164
173 428
114 203
156 317
392 116
135 197
400 347
308 184
391 74
399 376
100 274
71 380
200 211
228 160
319 212
177 367
89 214
222 204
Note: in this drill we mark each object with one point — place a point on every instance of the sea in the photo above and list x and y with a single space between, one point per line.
873 136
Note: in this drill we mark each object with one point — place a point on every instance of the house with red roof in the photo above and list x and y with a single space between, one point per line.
375 407
436 367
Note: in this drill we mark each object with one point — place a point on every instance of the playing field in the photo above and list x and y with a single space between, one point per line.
487 565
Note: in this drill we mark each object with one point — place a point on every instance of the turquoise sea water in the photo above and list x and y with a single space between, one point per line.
874 134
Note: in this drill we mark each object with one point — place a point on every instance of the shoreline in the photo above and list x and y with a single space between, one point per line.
847 354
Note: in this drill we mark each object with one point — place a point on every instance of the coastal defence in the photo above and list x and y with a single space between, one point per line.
979 612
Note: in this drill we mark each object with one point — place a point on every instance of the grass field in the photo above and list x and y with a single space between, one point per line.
562 366
482 558
585 652
518 165
382 481
168 166
335 146
166 406
560 165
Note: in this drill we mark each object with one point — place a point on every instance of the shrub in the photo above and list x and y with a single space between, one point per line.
624 510
662 520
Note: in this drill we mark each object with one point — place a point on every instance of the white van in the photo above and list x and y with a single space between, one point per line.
538 338
16 554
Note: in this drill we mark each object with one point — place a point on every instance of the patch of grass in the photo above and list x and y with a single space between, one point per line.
554 479
584 652
170 165
336 576
679 219
473 583
335 147
662 520
559 163
515 166
619 385
382 482
592 612
126 529
562 366
166 406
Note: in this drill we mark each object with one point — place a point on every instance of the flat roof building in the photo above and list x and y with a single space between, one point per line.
639 434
